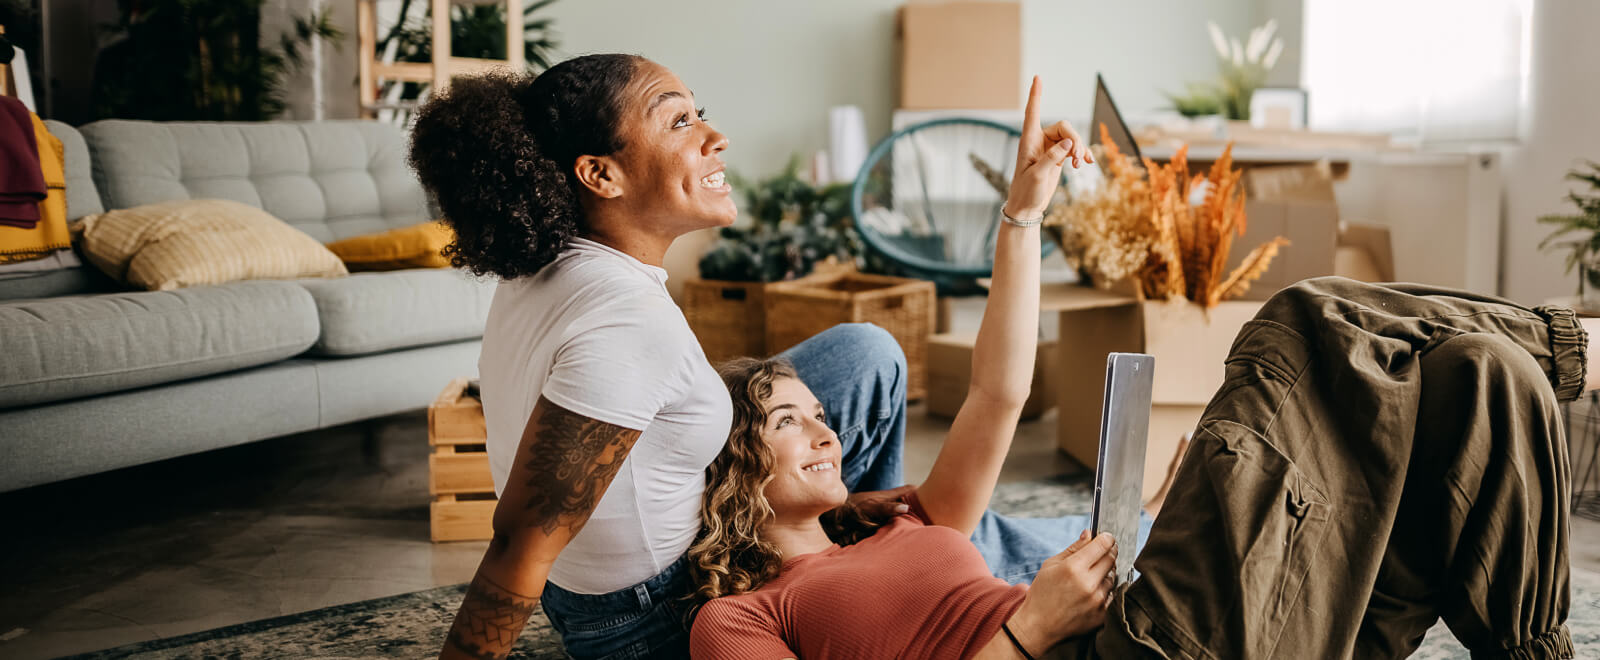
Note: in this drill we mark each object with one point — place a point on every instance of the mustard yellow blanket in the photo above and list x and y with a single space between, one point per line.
17 244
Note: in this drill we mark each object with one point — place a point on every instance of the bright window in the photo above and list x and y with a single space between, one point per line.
1438 70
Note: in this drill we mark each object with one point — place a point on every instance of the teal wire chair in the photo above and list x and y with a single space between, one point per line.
926 200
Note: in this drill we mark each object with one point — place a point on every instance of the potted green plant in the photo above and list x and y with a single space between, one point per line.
793 226
199 60
1243 68
1579 234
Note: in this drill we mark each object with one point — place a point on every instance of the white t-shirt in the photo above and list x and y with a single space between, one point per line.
595 332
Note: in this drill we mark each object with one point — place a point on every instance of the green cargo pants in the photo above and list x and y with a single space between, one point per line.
1378 457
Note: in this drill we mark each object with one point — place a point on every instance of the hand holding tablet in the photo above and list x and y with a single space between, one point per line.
1119 475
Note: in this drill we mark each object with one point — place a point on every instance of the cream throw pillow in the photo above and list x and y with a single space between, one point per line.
171 245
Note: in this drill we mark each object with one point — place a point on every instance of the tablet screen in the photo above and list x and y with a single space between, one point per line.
1119 474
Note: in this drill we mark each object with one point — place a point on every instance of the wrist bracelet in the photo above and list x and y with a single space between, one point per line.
1006 626
1033 222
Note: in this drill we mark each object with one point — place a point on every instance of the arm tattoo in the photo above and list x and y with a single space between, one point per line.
570 467
490 619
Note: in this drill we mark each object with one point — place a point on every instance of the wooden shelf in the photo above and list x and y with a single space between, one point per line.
370 70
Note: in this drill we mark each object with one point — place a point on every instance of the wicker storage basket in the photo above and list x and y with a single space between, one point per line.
905 307
729 318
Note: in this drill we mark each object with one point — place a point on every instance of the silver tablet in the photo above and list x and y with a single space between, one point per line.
1119 476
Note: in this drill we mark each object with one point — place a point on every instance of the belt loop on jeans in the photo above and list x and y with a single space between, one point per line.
642 592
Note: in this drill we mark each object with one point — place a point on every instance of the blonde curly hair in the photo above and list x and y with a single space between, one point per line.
730 556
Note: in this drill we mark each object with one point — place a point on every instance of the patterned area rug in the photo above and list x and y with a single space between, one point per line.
413 625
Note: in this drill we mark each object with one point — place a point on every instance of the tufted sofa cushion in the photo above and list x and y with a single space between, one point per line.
374 312
82 198
76 346
332 179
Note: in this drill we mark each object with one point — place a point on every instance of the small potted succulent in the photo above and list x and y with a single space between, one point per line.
1243 68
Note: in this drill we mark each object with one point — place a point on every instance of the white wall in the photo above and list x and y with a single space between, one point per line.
1561 128
1289 14
767 71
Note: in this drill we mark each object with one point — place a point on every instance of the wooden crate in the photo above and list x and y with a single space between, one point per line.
462 517
729 318
458 468
905 307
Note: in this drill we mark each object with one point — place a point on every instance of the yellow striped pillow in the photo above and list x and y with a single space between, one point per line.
181 243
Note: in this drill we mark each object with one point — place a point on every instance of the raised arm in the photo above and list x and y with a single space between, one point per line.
564 464
957 490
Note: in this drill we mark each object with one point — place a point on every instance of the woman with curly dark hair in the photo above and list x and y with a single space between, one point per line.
602 413
601 409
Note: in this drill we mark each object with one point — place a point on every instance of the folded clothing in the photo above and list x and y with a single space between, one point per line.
21 180
49 233
52 260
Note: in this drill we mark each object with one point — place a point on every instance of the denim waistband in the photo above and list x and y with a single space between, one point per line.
670 583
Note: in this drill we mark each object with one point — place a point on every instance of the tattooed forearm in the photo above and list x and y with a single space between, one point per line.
490 619
564 465
570 465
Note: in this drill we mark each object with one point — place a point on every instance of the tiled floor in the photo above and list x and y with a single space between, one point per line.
285 526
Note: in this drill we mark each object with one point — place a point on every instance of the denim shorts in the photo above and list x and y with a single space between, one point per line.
646 620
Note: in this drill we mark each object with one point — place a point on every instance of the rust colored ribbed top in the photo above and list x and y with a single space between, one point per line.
912 590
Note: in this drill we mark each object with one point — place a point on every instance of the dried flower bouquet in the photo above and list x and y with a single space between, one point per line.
1144 228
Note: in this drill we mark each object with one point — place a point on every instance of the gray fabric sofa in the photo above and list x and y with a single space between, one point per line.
95 377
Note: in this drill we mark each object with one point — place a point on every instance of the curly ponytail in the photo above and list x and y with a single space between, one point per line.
497 152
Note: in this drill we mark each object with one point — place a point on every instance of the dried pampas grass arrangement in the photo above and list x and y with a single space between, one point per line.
1143 227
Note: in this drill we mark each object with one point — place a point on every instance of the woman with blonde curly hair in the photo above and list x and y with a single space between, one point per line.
772 516
1379 457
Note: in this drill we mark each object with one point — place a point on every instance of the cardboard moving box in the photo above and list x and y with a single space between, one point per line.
950 374
960 55
1189 345
1297 203
1364 253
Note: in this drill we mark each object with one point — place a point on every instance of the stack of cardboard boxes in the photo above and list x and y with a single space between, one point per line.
1297 203
1190 343
966 55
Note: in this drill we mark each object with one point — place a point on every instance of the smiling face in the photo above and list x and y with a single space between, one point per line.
671 171
805 453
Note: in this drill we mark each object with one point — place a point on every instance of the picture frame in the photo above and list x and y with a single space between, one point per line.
1281 108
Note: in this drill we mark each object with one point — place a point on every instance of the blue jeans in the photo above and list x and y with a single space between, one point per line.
858 372
646 620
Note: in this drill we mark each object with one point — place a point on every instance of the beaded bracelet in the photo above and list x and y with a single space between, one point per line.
1033 222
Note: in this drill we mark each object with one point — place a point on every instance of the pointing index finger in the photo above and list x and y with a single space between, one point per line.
1030 116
